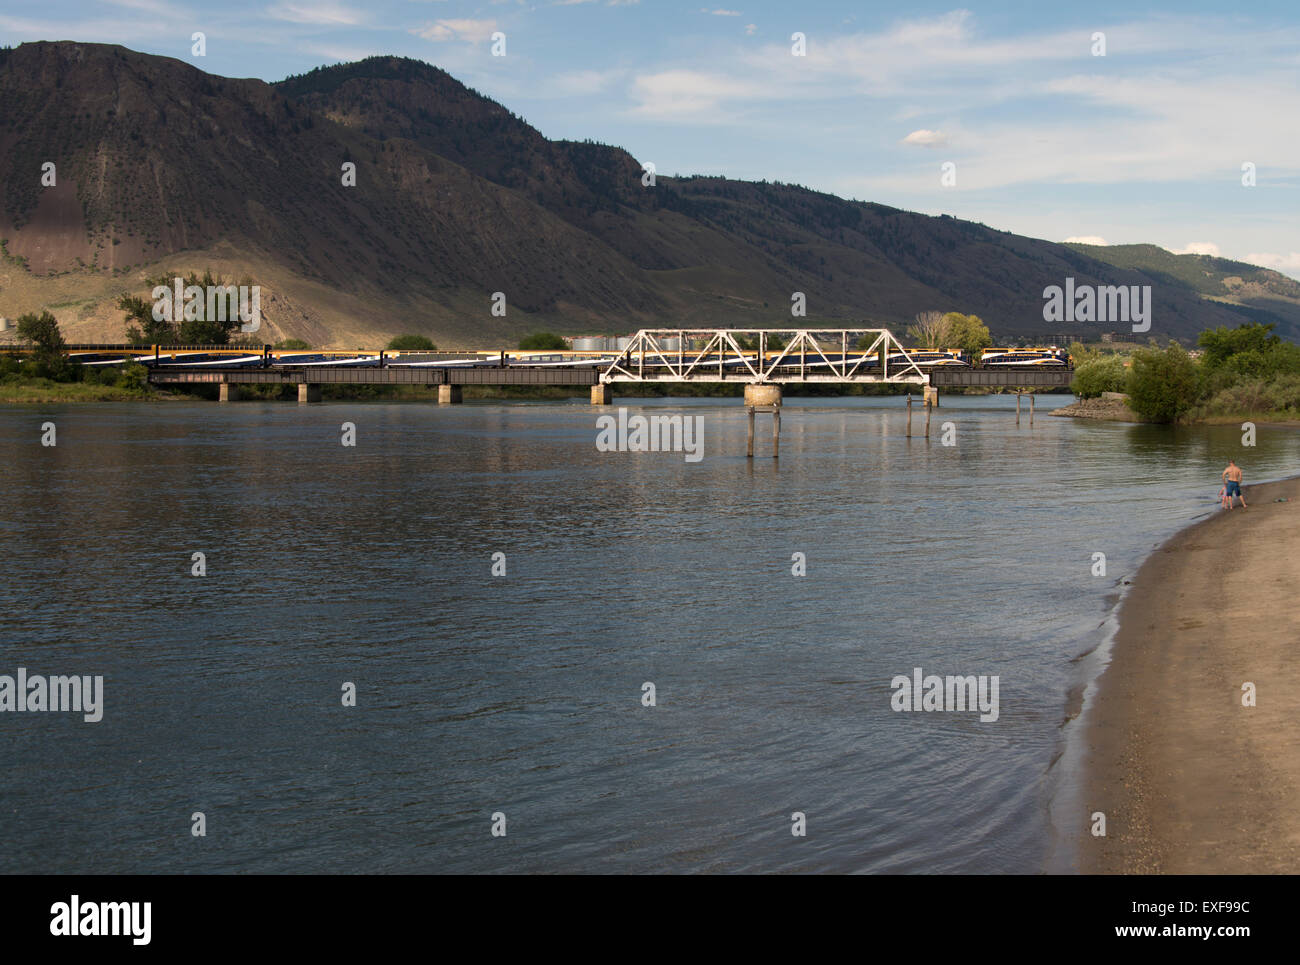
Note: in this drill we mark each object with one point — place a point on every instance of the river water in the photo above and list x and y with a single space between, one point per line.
521 695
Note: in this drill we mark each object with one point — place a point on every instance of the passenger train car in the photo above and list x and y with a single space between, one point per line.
1038 357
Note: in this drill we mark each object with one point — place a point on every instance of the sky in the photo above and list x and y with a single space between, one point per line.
1112 123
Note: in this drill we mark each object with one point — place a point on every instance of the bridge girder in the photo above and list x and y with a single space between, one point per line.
752 365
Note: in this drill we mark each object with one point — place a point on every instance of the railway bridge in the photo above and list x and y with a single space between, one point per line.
763 360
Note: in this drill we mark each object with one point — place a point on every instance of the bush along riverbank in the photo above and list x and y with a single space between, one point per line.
1238 374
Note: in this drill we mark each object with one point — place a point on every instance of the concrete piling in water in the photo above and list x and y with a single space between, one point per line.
765 397
228 393
448 394
602 393
1017 407
308 392
909 414
1031 408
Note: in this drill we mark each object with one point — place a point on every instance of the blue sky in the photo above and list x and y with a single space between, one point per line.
1144 144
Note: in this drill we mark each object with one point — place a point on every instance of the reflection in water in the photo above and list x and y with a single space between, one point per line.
522 693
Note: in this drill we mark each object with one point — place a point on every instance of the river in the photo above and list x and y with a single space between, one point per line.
521 695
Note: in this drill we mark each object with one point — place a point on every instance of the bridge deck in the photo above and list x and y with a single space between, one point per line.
941 377
1027 378
372 375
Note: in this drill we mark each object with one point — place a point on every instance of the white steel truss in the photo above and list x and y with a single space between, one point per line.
809 355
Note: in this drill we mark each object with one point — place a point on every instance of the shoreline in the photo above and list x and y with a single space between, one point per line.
1190 780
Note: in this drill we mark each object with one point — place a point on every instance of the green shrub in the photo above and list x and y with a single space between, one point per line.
1098 375
1162 385
543 341
133 377
411 343
1284 392
1252 395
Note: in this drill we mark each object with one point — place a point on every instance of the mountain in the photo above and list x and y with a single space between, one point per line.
1261 294
162 168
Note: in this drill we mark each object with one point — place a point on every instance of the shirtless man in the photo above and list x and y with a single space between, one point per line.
1232 482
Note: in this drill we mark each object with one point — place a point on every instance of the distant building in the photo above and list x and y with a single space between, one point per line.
599 343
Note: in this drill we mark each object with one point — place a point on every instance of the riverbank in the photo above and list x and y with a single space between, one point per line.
1112 409
1190 780
45 391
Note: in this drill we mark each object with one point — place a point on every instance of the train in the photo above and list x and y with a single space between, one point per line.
263 356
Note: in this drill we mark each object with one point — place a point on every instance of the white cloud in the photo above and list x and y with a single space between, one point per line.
924 138
750 28
1288 264
1189 95
328 14
470 31
1199 248
720 12
1084 240
673 93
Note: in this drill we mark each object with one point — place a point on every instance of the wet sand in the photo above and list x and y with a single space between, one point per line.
1190 781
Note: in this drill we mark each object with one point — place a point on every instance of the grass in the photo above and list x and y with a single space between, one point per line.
43 390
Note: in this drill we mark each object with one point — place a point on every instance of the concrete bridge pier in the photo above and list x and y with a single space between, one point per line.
761 393
764 398
448 394
308 393
932 395
602 393
228 393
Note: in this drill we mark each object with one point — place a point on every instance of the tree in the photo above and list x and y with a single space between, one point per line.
49 358
543 340
42 331
1080 353
1221 343
144 329
1162 385
930 330
1094 376
968 333
749 343
411 343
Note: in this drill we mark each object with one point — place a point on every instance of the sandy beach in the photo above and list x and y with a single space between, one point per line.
1190 780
